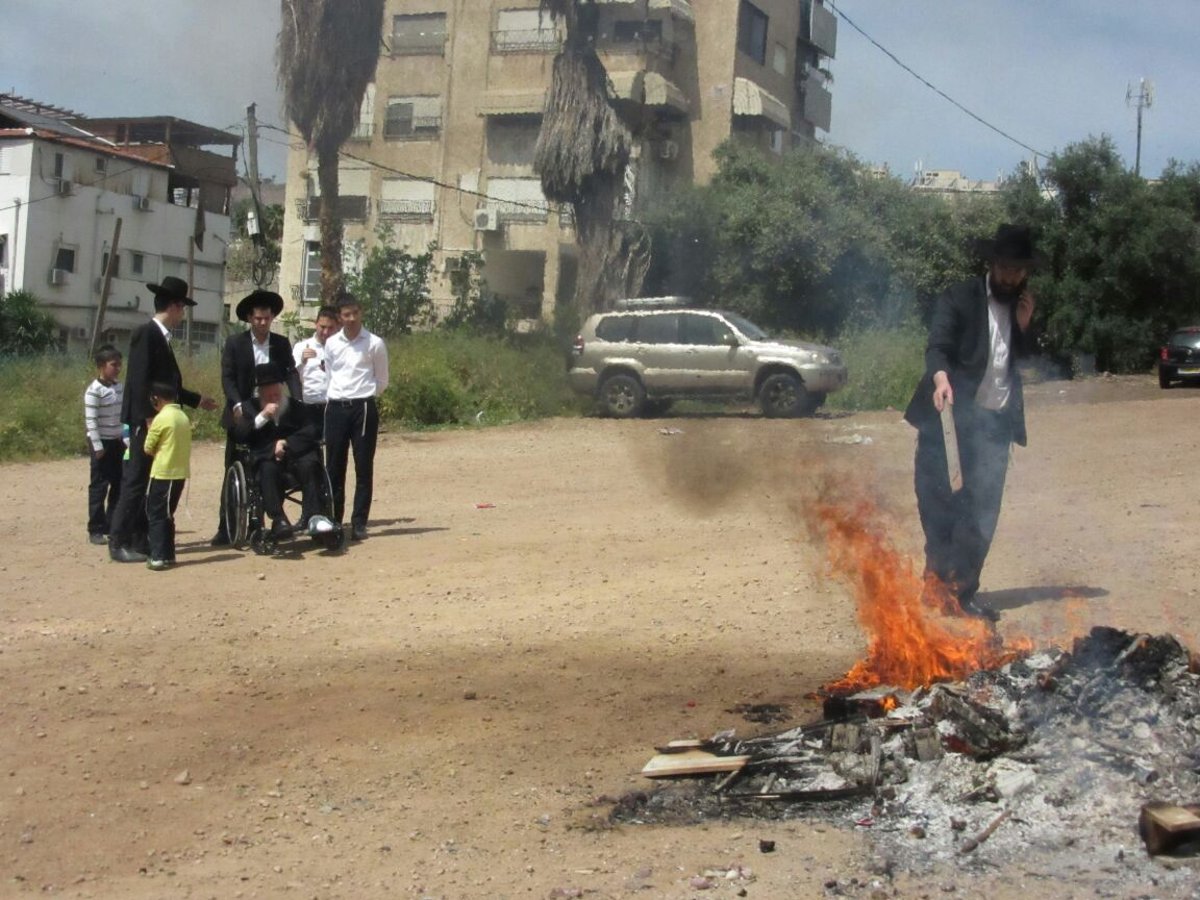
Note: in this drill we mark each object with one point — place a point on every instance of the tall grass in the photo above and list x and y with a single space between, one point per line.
885 365
437 379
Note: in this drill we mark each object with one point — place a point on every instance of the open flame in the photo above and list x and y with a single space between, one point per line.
917 633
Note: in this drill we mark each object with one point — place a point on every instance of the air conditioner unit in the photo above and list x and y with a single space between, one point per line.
58 276
142 203
79 332
487 218
64 186
668 150
453 264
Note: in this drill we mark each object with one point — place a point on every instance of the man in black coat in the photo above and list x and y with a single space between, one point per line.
281 437
239 357
979 328
149 360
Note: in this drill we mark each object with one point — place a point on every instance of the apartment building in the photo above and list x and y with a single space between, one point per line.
443 152
66 180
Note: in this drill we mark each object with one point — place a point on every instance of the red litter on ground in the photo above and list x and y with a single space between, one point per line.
485 505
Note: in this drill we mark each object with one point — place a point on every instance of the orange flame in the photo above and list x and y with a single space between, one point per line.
917 633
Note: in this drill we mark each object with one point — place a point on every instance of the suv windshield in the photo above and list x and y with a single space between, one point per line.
746 327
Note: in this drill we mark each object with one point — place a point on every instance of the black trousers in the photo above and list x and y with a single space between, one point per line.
306 469
315 412
351 425
959 526
104 486
162 499
129 520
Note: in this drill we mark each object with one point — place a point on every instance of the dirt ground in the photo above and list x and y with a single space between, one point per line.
432 713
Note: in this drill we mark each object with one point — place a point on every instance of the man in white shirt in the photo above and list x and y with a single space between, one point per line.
310 363
979 327
357 363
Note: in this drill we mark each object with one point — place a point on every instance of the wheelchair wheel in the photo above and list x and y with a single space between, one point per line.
236 493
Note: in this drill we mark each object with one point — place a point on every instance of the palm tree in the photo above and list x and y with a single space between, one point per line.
581 156
326 57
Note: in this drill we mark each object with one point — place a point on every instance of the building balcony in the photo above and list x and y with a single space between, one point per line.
350 208
522 213
406 210
537 40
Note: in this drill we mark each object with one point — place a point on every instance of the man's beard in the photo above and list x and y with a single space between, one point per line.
1007 293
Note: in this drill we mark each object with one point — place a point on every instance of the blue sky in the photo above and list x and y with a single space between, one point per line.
1048 73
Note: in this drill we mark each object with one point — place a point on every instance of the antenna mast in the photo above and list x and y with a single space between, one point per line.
1141 98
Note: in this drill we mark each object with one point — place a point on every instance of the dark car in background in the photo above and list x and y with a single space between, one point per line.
1179 360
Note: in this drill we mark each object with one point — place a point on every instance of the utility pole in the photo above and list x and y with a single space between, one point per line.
1141 99
252 153
113 250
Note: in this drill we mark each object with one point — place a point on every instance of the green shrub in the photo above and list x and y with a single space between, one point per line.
884 365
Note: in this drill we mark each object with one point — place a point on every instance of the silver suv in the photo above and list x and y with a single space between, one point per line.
641 357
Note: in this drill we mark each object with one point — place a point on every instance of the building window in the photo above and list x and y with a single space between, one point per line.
101 165
420 34
64 259
60 165
779 59
116 273
137 263
752 32
413 118
777 135
311 280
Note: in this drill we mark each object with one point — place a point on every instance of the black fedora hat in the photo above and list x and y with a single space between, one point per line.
1012 244
172 288
268 373
257 300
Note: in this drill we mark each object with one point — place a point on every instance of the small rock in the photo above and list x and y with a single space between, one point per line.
700 883
261 576
765 846
184 777
469 695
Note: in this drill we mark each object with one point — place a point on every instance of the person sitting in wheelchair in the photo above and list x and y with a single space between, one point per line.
281 439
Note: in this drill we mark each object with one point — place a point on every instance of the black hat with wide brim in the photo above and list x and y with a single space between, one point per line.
268 373
172 288
258 300
1012 244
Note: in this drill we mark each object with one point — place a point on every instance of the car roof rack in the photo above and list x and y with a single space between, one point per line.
672 301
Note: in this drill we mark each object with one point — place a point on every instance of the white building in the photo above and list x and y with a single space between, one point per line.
64 183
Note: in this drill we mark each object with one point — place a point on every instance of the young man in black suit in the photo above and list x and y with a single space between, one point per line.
149 360
256 346
979 328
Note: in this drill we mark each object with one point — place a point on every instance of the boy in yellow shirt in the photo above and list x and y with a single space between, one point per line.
169 441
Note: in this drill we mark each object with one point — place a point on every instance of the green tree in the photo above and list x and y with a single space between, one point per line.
813 243
475 307
392 285
327 54
26 329
1122 263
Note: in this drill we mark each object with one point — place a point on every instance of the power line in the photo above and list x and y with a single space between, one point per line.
892 56
428 179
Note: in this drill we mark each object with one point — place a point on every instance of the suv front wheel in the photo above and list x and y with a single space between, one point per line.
621 396
783 395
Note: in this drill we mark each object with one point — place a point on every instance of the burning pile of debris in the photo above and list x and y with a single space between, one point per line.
1050 756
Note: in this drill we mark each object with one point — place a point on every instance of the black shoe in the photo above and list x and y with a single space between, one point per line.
125 555
220 539
97 539
972 608
281 529
358 531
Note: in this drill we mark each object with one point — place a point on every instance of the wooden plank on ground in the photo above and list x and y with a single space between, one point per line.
691 762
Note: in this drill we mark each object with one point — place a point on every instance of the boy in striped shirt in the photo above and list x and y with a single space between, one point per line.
102 421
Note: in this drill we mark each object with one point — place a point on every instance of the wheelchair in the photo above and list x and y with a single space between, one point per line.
245 519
